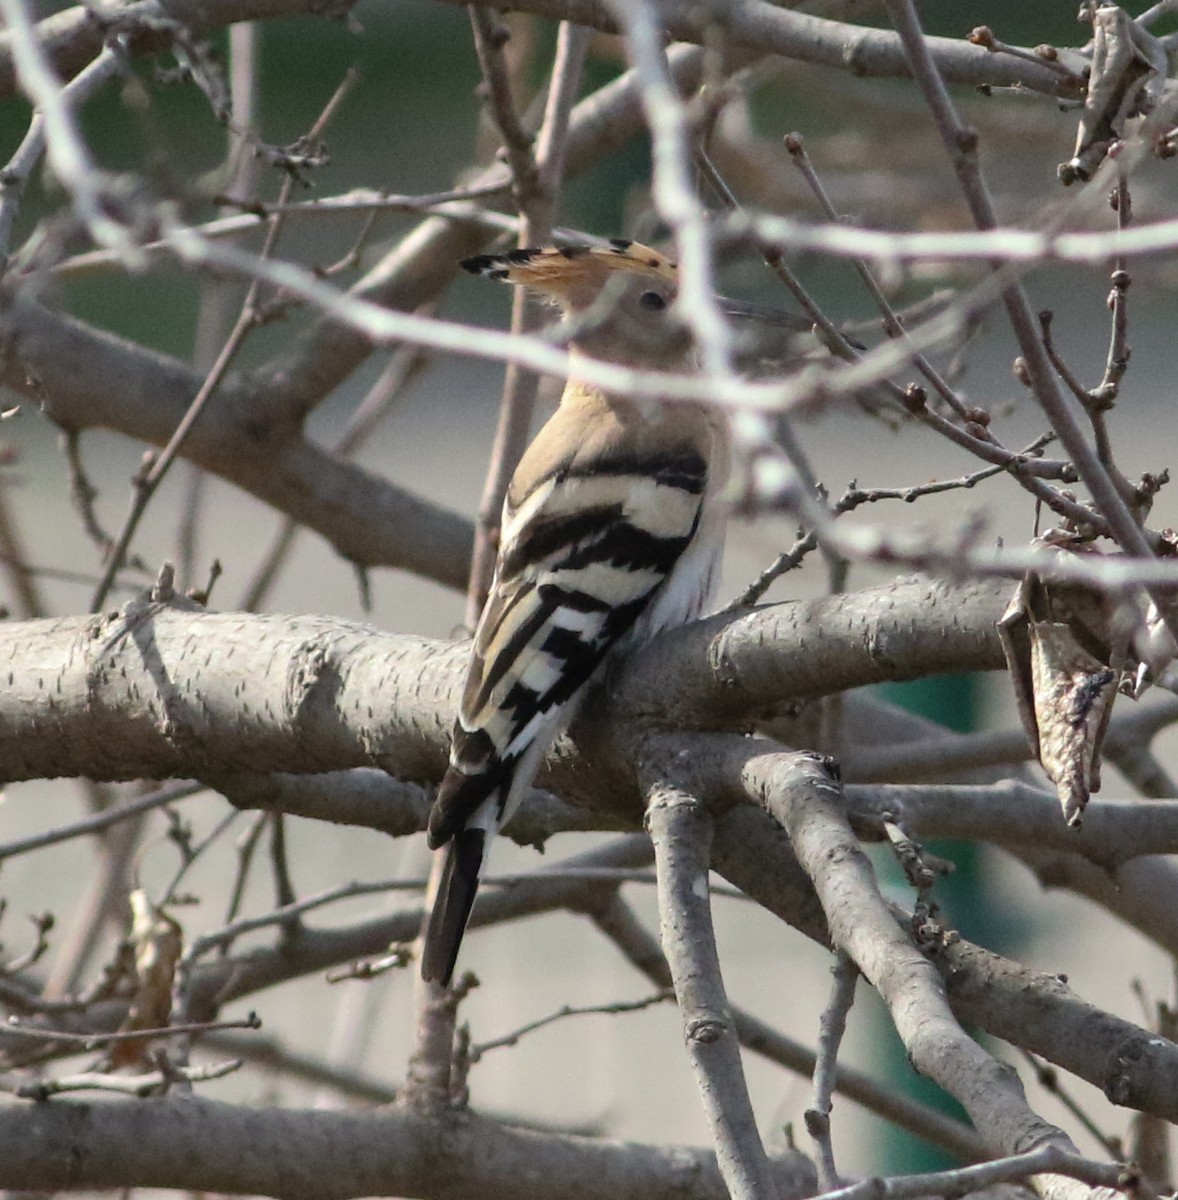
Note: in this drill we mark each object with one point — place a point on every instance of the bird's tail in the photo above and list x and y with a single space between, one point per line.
446 922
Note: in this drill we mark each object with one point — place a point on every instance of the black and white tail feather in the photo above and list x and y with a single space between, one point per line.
610 532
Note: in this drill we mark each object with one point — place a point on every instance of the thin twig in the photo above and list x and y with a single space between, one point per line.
62 574
103 820
189 854
104 902
536 186
29 602
82 492
919 869
1048 1078
404 364
67 152
150 1084
479 1049
281 916
851 499
1117 360
1128 733
961 145
247 844
155 467
43 924
217 296
490 37
457 204
1103 396
1070 378
796 147
284 891
91 1041
1042 56
614 917
832 337
964 1180
17 171
831 1027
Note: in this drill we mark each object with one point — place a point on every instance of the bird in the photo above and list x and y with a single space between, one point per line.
612 530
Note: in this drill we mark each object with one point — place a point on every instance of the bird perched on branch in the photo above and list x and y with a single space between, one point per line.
612 530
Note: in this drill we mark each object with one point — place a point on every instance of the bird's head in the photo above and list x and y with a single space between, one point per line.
618 301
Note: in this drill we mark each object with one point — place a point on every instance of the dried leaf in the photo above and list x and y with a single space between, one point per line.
1073 695
1126 64
158 942
1066 657
1154 647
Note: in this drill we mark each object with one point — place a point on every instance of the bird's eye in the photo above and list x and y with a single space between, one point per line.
654 301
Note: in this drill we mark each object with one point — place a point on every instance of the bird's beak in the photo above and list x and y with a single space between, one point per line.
767 322
766 339
765 314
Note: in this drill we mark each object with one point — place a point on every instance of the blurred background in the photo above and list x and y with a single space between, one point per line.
412 124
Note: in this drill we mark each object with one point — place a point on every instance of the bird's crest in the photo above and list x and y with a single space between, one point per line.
573 274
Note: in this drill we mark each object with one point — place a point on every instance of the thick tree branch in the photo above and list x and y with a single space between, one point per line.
69 709
73 37
162 690
85 378
205 1146
862 50
1000 996
1013 812
842 642
615 918
801 795
806 805
681 832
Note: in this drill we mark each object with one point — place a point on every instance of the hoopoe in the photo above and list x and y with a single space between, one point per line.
612 530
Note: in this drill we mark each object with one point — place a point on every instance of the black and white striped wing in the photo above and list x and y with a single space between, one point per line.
583 556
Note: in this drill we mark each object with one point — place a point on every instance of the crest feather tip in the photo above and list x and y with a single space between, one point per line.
561 271
483 264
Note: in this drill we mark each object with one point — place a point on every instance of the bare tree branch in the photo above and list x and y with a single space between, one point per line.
617 921
831 1028
961 145
273 1151
73 37
537 183
680 829
337 723
328 695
